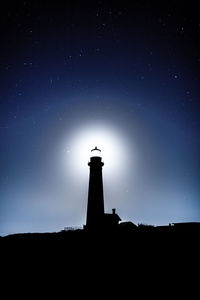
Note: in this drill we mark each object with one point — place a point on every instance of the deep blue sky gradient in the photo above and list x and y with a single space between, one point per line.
134 64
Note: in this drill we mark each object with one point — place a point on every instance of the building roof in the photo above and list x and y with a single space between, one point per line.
113 217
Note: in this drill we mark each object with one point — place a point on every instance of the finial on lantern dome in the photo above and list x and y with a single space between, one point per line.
96 149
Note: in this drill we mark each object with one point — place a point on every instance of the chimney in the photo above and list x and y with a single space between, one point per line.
113 211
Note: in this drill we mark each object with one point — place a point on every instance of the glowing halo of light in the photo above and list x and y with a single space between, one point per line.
114 149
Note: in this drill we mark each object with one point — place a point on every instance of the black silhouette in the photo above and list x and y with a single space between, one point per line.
96 217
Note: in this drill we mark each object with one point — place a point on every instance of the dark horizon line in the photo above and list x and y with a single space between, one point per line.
123 226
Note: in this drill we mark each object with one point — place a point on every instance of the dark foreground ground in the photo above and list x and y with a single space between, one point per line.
126 237
128 261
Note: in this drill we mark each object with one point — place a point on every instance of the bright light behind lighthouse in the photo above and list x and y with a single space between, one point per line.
110 142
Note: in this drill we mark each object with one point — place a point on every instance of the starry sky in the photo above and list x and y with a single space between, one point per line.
131 67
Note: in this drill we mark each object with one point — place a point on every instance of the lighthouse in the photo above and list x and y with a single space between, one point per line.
96 217
95 208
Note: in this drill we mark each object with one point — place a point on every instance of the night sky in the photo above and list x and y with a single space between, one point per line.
128 68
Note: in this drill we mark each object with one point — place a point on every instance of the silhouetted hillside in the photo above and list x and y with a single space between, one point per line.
128 254
125 232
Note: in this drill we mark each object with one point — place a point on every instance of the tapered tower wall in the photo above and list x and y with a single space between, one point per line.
95 208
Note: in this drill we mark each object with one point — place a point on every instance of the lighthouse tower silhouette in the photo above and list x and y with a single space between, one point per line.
96 217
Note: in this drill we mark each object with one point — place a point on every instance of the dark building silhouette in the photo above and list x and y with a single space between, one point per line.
96 217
